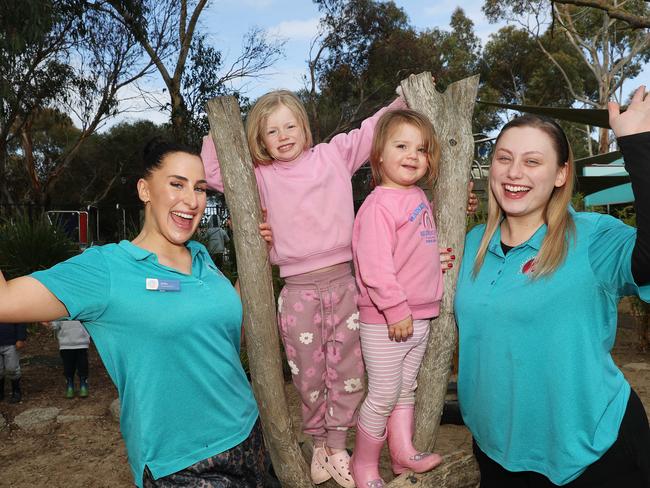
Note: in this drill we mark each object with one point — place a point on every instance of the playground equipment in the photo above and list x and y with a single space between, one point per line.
73 222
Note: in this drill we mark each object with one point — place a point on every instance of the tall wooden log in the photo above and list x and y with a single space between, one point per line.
451 114
262 340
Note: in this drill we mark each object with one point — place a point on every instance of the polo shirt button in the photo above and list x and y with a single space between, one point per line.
493 283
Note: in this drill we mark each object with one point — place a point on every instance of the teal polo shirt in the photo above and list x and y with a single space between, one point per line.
537 385
173 355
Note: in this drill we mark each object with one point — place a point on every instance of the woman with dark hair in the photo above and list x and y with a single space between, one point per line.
536 307
167 326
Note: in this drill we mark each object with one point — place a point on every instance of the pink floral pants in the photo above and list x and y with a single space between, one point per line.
319 325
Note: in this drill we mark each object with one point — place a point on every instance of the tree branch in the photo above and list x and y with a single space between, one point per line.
635 21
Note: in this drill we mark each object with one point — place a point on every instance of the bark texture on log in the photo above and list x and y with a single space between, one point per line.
262 340
458 470
451 114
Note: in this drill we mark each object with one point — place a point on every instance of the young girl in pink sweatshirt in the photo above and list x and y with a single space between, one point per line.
308 194
398 271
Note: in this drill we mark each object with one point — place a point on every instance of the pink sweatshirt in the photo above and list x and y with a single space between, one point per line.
309 200
396 257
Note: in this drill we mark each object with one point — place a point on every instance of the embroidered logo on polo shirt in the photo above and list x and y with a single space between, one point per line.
528 266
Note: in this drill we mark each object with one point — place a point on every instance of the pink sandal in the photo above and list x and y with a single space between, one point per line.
318 472
338 466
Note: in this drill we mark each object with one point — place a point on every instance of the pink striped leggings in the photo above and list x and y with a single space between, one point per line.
392 372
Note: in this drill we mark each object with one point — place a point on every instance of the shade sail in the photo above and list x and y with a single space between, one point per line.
595 117
611 196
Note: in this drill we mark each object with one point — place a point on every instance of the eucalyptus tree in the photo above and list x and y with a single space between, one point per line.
168 31
611 51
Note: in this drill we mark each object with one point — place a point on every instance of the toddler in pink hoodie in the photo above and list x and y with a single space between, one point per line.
308 194
398 271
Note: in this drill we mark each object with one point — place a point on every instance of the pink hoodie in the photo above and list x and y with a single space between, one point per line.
309 200
396 257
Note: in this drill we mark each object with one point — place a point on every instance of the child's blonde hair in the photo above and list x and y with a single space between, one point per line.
257 117
561 228
389 122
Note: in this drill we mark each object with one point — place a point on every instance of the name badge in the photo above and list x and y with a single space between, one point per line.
155 284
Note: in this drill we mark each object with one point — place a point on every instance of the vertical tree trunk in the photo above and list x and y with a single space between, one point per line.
451 114
262 338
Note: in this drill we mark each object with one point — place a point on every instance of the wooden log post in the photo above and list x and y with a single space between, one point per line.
262 340
451 114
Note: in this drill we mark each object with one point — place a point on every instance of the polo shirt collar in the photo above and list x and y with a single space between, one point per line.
140 254
534 242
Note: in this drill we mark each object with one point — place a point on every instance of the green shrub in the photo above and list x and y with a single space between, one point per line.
30 245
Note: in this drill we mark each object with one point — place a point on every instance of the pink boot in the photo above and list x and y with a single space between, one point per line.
365 460
403 455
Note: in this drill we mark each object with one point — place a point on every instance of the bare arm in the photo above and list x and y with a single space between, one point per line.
26 299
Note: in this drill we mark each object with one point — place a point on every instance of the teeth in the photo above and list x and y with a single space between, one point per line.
516 189
183 215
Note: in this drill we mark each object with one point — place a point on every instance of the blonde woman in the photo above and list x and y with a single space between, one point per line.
536 307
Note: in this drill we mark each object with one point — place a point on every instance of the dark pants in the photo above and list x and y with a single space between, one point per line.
625 464
243 466
217 257
75 360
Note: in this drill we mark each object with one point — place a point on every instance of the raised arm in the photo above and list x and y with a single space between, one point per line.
211 164
28 300
353 148
632 129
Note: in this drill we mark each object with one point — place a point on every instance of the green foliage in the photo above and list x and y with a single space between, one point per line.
480 217
28 245
369 47
578 201
627 214
107 167
204 79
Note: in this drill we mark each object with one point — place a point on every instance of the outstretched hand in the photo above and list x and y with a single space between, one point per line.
635 119
398 90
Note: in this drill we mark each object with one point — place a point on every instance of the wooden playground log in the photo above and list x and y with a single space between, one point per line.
451 114
262 340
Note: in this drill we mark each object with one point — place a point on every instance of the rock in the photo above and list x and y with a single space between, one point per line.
66 419
3 422
115 409
38 420
636 367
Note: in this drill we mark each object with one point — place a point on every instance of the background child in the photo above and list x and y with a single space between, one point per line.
398 270
308 194
12 340
217 240
73 347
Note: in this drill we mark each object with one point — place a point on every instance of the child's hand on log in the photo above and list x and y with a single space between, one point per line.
398 90
265 230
